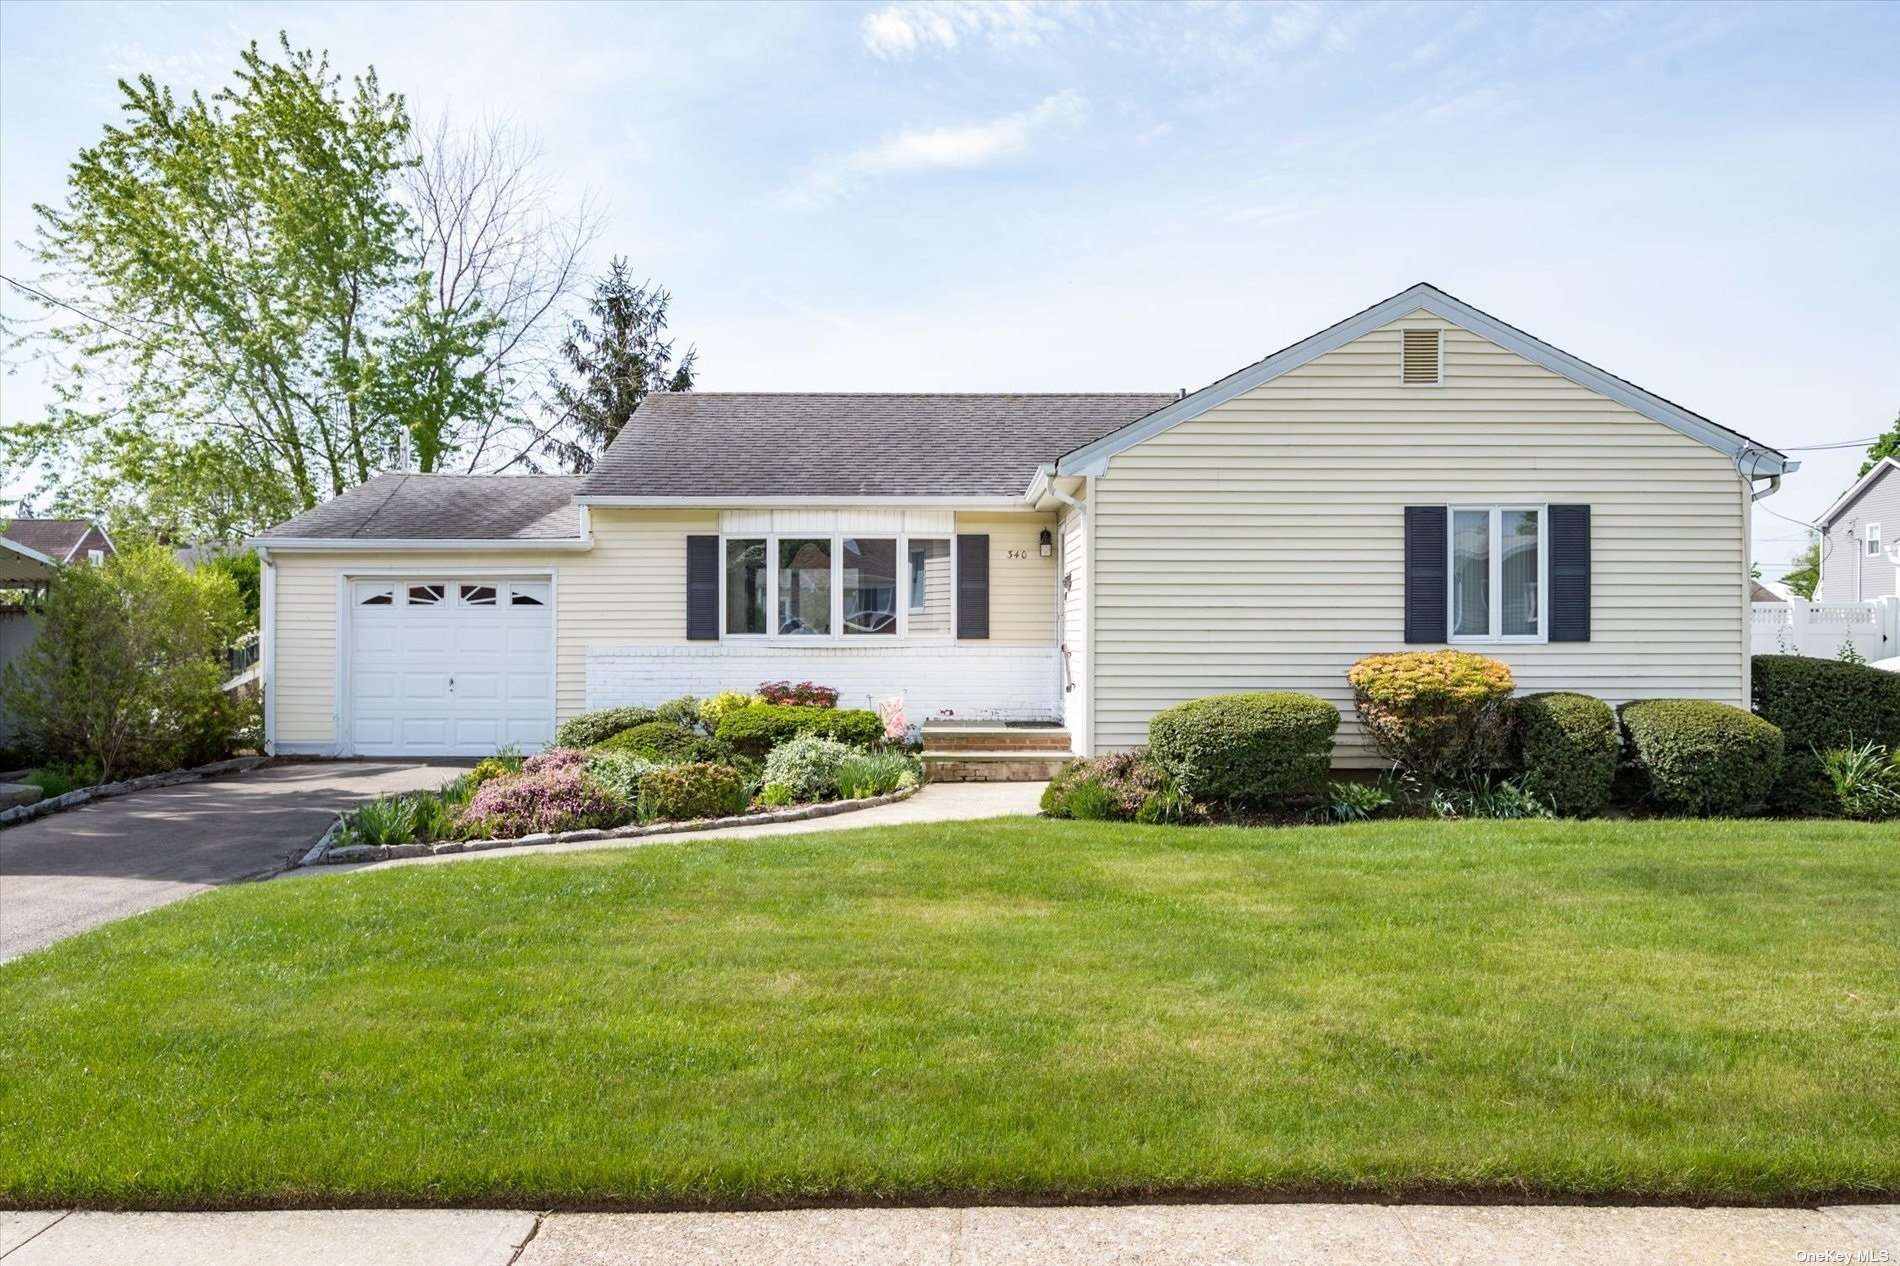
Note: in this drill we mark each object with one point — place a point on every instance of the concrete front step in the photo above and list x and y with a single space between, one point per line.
993 766
965 736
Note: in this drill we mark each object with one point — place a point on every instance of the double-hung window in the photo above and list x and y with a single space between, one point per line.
1499 565
844 587
1872 534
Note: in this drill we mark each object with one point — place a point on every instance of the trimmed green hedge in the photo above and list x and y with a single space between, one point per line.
669 744
1820 704
1569 744
1257 748
590 729
758 729
677 793
1702 758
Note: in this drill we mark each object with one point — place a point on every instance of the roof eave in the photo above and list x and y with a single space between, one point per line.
1092 458
762 501
1861 485
421 545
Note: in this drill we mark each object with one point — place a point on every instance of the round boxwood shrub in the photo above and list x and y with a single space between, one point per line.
1255 748
1435 714
592 728
677 793
1820 704
1570 745
757 730
667 743
1702 758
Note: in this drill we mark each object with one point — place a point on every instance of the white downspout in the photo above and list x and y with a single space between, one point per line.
1081 742
267 646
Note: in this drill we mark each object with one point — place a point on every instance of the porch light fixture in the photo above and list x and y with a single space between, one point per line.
1046 543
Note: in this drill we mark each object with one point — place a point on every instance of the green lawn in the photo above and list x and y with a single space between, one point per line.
1007 1008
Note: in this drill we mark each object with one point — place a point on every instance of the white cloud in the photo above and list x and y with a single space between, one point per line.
901 30
926 149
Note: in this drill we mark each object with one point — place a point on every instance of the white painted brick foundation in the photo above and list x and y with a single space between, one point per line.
1013 683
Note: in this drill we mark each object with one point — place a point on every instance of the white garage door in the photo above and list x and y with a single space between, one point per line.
450 667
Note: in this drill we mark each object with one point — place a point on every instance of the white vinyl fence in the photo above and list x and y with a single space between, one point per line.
1821 629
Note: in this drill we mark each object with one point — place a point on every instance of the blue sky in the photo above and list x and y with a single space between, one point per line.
1701 198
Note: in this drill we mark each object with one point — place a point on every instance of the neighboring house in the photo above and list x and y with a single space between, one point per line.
62 540
1418 475
1858 536
1770 591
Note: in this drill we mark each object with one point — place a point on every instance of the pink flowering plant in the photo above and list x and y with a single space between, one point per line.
558 796
555 758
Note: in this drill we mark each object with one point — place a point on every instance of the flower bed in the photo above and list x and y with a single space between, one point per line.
646 771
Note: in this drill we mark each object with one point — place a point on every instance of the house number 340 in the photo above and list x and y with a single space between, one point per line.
1019 553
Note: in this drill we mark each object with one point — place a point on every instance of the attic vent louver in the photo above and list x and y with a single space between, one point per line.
1419 359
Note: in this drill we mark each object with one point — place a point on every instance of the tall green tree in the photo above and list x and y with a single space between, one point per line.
612 364
1888 445
1804 577
253 299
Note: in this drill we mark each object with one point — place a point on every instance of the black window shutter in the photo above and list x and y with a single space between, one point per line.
1570 573
702 589
1427 573
973 586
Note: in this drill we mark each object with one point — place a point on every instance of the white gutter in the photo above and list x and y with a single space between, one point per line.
384 545
768 502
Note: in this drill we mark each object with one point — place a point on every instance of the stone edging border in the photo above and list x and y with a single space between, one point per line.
323 854
106 790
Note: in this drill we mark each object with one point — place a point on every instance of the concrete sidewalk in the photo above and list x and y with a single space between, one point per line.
1133 1235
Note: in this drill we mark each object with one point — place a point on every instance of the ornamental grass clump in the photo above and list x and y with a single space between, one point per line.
868 774
555 799
1436 715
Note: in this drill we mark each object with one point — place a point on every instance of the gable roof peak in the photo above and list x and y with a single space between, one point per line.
1753 460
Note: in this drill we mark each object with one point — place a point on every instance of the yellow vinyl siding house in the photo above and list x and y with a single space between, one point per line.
1419 474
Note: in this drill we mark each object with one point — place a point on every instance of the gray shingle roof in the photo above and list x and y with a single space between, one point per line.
448 507
55 538
742 444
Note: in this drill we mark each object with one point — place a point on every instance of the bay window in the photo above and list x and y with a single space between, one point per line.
837 587
804 586
870 586
747 598
1498 561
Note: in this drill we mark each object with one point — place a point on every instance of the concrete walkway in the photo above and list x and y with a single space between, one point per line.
1130 1235
939 802
70 871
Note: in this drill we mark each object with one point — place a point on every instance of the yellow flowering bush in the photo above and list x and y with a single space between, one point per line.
1435 714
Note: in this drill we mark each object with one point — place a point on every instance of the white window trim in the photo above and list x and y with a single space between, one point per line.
1496 635
1439 381
1870 535
837 636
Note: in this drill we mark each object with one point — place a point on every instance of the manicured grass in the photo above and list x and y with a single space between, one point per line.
1007 1008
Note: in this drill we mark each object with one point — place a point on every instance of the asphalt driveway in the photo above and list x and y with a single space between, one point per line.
70 871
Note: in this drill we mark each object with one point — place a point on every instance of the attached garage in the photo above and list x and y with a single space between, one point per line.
448 665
